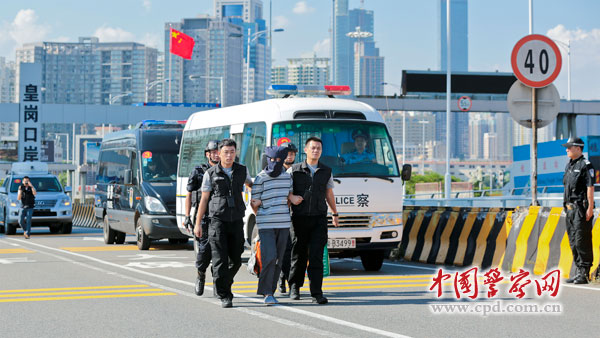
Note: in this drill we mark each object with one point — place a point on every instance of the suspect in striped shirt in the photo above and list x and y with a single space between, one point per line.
270 194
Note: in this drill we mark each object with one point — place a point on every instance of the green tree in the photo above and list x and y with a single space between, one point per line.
429 177
62 178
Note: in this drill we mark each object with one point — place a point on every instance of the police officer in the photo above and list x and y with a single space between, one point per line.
287 256
223 185
579 205
360 154
314 182
192 198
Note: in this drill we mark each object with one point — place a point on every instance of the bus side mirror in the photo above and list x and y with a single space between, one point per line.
68 189
406 172
128 176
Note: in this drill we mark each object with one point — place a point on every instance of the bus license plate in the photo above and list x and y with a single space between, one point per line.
341 243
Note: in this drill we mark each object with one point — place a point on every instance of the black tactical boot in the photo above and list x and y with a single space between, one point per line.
574 277
583 276
282 288
200 280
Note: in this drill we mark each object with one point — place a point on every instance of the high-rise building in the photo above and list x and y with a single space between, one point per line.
459 35
7 81
215 66
355 61
416 124
279 75
490 146
479 125
459 135
308 71
92 72
256 49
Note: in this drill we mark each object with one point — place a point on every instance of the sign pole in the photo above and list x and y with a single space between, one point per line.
534 154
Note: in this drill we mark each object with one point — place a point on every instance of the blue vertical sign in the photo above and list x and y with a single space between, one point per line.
30 99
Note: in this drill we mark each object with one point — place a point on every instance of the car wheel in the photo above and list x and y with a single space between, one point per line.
54 229
372 260
143 241
119 237
109 234
184 240
173 240
67 228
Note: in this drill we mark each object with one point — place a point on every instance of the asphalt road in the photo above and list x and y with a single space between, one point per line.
76 286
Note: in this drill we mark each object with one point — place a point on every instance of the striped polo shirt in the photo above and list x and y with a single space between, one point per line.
274 212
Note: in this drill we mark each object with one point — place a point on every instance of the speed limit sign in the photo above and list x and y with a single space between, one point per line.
464 103
536 60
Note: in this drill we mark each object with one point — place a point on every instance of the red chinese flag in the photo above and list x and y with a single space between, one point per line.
181 44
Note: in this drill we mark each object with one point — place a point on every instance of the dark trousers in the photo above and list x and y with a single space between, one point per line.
25 219
580 236
203 252
309 236
286 263
227 245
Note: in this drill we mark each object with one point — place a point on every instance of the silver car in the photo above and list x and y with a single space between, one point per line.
52 205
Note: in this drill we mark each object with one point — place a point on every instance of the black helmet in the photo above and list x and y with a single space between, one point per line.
212 145
290 146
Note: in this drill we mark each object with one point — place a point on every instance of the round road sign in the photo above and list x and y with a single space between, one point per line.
519 104
536 60
464 103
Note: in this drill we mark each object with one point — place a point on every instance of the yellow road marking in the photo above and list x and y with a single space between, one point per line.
347 283
12 251
73 293
393 286
79 288
87 297
329 279
102 248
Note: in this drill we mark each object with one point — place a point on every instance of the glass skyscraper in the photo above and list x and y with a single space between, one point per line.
459 35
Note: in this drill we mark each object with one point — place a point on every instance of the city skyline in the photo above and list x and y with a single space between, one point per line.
40 21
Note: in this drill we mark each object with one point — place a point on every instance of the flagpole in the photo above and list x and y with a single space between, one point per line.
170 77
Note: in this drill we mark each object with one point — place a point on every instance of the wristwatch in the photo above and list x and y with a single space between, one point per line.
335 215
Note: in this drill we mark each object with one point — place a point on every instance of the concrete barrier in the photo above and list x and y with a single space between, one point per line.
532 238
455 236
83 215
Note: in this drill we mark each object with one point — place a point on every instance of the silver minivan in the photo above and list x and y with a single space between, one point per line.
53 207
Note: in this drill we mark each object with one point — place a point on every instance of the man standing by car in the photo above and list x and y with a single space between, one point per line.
223 185
192 198
579 207
27 197
314 182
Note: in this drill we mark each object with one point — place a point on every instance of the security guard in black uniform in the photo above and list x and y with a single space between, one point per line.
314 182
579 205
192 198
223 185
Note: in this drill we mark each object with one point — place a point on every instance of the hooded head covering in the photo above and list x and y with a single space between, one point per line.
273 153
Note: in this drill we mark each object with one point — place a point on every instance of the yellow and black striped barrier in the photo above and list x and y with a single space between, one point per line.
83 215
538 242
531 238
455 236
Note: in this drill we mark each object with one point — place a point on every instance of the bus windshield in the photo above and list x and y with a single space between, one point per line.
351 149
49 184
159 166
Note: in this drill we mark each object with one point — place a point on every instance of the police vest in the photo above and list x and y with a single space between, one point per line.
226 201
312 189
27 197
198 174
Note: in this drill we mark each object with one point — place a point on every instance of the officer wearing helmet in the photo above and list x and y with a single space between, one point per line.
578 201
203 253
360 154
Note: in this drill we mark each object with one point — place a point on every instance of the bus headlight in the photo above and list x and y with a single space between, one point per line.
382 220
153 204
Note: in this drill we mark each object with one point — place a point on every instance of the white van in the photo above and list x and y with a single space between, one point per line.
368 193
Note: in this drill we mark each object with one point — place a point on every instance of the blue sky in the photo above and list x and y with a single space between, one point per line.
406 31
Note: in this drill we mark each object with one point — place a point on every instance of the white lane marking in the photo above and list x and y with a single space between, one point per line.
159 265
193 296
15 260
143 256
280 306
99 239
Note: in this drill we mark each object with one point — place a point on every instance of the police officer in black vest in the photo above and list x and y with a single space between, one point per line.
314 182
26 195
223 185
579 205
192 198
